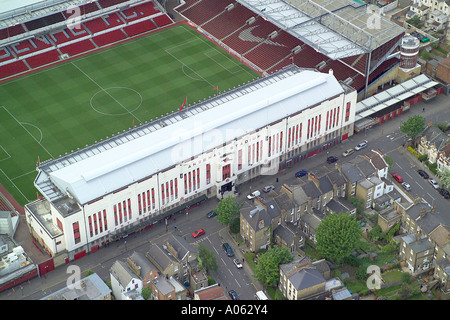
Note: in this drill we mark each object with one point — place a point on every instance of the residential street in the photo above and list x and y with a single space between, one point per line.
386 138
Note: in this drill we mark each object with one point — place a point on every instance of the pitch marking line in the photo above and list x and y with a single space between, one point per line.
15 185
208 54
9 156
128 111
21 124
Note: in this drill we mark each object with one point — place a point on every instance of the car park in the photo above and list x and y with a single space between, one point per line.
347 152
233 295
406 186
198 233
211 214
228 249
237 263
253 195
362 145
332 159
444 193
434 183
397 177
301 173
423 174
268 188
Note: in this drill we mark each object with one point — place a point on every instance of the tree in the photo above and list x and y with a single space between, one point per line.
413 126
337 236
267 268
228 211
389 161
146 292
445 177
206 258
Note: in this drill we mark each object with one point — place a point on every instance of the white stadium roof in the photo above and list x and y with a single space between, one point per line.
398 93
338 28
132 156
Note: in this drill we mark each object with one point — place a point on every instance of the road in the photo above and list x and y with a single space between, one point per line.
387 138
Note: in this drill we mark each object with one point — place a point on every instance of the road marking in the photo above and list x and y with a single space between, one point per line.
238 283
430 196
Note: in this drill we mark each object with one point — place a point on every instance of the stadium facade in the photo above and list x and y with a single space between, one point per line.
139 177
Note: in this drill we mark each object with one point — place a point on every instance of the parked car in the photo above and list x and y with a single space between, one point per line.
407 186
198 233
423 174
228 249
237 263
332 159
397 177
347 152
301 173
362 145
233 295
211 214
444 193
253 195
268 188
434 183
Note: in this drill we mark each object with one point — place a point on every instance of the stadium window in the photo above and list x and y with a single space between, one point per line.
115 216
320 119
347 111
270 145
307 130
153 198
190 181
167 192
289 138
90 226
240 159
185 183
249 156
139 204
176 188
162 193
193 181
60 226
281 140
76 232
100 226
257 151
143 201
129 208
124 206
95 225
208 173
105 224
226 172
198 177
337 115
148 200
171 190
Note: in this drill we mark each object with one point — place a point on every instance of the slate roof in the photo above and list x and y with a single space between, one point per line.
352 172
122 273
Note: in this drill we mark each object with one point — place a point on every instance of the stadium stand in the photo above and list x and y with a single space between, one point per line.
78 47
245 31
109 21
108 38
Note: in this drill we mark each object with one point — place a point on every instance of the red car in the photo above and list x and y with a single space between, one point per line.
397 177
198 233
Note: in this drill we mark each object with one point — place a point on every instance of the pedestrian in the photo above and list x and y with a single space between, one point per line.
423 110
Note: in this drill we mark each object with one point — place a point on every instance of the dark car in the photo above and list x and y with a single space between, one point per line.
233 295
228 249
444 193
211 214
332 159
423 174
301 173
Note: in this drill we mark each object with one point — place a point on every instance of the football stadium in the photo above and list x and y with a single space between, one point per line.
118 113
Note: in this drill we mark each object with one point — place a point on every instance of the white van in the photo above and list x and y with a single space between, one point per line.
253 195
260 295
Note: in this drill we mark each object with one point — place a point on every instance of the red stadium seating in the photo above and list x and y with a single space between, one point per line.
228 21
139 11
139 27
12 68
96 25
78 47
205 10
162 20
108 38
5 54
43 58
11 31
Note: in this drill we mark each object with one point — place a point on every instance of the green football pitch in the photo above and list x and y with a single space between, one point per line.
54 111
